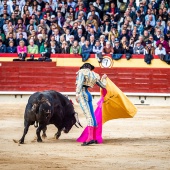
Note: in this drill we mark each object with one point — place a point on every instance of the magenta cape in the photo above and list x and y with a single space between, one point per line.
98 114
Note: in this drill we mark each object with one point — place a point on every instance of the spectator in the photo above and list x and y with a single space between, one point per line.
39 41
60 19
82 41
105 29
158 34
112 10
163 42
86 50
149 49
65 48
75 48
145 36
159 25
54 48
152 41
93 22
140 38
79 34
21 38
92 41
139 16
140 27
108 49
71 40
117 48
114 32
9 38
22 50
97 49
2 47
150 17
45 52
11 48
67 34
160 51
138 49
167 28
20 30
32 48
102 40
2 35
126 49
167 36
92 33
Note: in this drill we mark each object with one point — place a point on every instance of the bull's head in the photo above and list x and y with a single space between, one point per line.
70 121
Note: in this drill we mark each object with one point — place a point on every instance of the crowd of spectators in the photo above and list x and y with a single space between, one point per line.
84 27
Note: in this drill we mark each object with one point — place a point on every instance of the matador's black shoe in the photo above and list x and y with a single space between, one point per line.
89 143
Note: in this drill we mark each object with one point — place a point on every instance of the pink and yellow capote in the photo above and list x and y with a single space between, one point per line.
113 104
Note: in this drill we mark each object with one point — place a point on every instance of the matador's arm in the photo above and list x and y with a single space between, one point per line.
79 82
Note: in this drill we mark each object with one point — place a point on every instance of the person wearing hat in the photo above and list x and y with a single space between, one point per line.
87 78
138 48
11 48
117 48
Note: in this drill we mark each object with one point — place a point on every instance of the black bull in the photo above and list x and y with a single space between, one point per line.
49 107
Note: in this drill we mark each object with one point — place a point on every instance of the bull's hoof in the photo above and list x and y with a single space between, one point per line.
39 140
57 136
44 136
21 141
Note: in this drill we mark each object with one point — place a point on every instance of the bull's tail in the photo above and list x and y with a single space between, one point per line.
36 124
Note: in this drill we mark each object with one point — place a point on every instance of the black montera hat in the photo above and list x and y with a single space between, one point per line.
87 65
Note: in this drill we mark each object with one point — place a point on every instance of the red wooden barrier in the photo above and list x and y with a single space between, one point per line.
35 76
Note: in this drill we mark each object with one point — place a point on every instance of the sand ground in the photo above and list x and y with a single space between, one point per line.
129 144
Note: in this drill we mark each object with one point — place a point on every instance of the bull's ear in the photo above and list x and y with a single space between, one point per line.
40 97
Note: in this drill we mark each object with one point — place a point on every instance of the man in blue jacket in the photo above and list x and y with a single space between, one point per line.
86 50
11 48
2 47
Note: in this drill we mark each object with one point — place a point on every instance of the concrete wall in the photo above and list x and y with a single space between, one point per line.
137 99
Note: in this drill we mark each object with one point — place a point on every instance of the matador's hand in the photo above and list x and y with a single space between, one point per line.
77 99
104 76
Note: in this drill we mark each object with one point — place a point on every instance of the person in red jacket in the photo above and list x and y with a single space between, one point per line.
163 42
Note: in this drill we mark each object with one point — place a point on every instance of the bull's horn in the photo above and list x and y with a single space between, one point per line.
49 104
77 119
76 125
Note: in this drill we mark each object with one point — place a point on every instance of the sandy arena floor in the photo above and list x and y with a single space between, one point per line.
129 144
